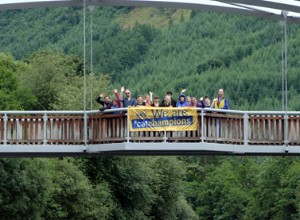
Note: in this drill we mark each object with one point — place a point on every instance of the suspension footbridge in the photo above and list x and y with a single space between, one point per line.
67 133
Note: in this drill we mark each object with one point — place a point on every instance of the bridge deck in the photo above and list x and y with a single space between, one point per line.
219 132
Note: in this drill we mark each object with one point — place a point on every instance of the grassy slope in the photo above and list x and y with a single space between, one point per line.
153 16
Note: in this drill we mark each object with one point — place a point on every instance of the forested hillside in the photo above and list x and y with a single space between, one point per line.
41 68
170 50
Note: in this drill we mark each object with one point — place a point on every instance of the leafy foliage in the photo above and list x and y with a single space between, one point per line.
12 94
57 80
202 53
24 188
73 197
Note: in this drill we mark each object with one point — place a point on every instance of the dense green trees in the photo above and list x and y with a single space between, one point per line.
115 56
12 94
71 196
142 188
47 80
24 188
244 188
203 53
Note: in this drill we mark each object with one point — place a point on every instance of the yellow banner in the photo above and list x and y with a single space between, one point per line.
162 119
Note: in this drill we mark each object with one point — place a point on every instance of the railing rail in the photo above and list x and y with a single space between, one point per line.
111 126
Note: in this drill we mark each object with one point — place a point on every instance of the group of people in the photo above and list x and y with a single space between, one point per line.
220 102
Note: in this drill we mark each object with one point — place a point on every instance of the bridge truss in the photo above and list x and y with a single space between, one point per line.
272 9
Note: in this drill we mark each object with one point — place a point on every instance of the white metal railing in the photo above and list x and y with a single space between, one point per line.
224 126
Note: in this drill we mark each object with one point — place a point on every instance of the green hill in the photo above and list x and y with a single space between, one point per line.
167 49
146 49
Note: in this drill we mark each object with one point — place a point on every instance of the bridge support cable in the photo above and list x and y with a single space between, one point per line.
285 77
285 62
84 73
282 66
91 8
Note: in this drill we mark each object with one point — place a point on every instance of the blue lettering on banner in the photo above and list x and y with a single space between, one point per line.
162 122
140 123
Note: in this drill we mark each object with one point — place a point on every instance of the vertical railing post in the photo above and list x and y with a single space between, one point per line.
85 128
286 141
45 118
165 136
5 118
246 117
202 126
128 132
218 127
16 131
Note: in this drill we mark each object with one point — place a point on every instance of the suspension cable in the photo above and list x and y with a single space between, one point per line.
285 63
84 75
91 8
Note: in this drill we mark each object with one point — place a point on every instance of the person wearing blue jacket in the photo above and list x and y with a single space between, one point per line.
182 101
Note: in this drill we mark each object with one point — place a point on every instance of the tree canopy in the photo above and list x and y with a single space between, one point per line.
41 68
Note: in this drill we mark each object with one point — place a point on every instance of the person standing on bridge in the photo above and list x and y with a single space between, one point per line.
182 101
107 104
127 101
167 102
116 103
220 102
148 99
140 101
204 102
188 101
156 102
173 101
194 102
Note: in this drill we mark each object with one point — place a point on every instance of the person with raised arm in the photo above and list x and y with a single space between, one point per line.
106 103
127 101
182 100
204 102
148 99
116 103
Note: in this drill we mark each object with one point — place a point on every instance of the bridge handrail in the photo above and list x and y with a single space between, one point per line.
61 112
125 110
210 110
78 127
